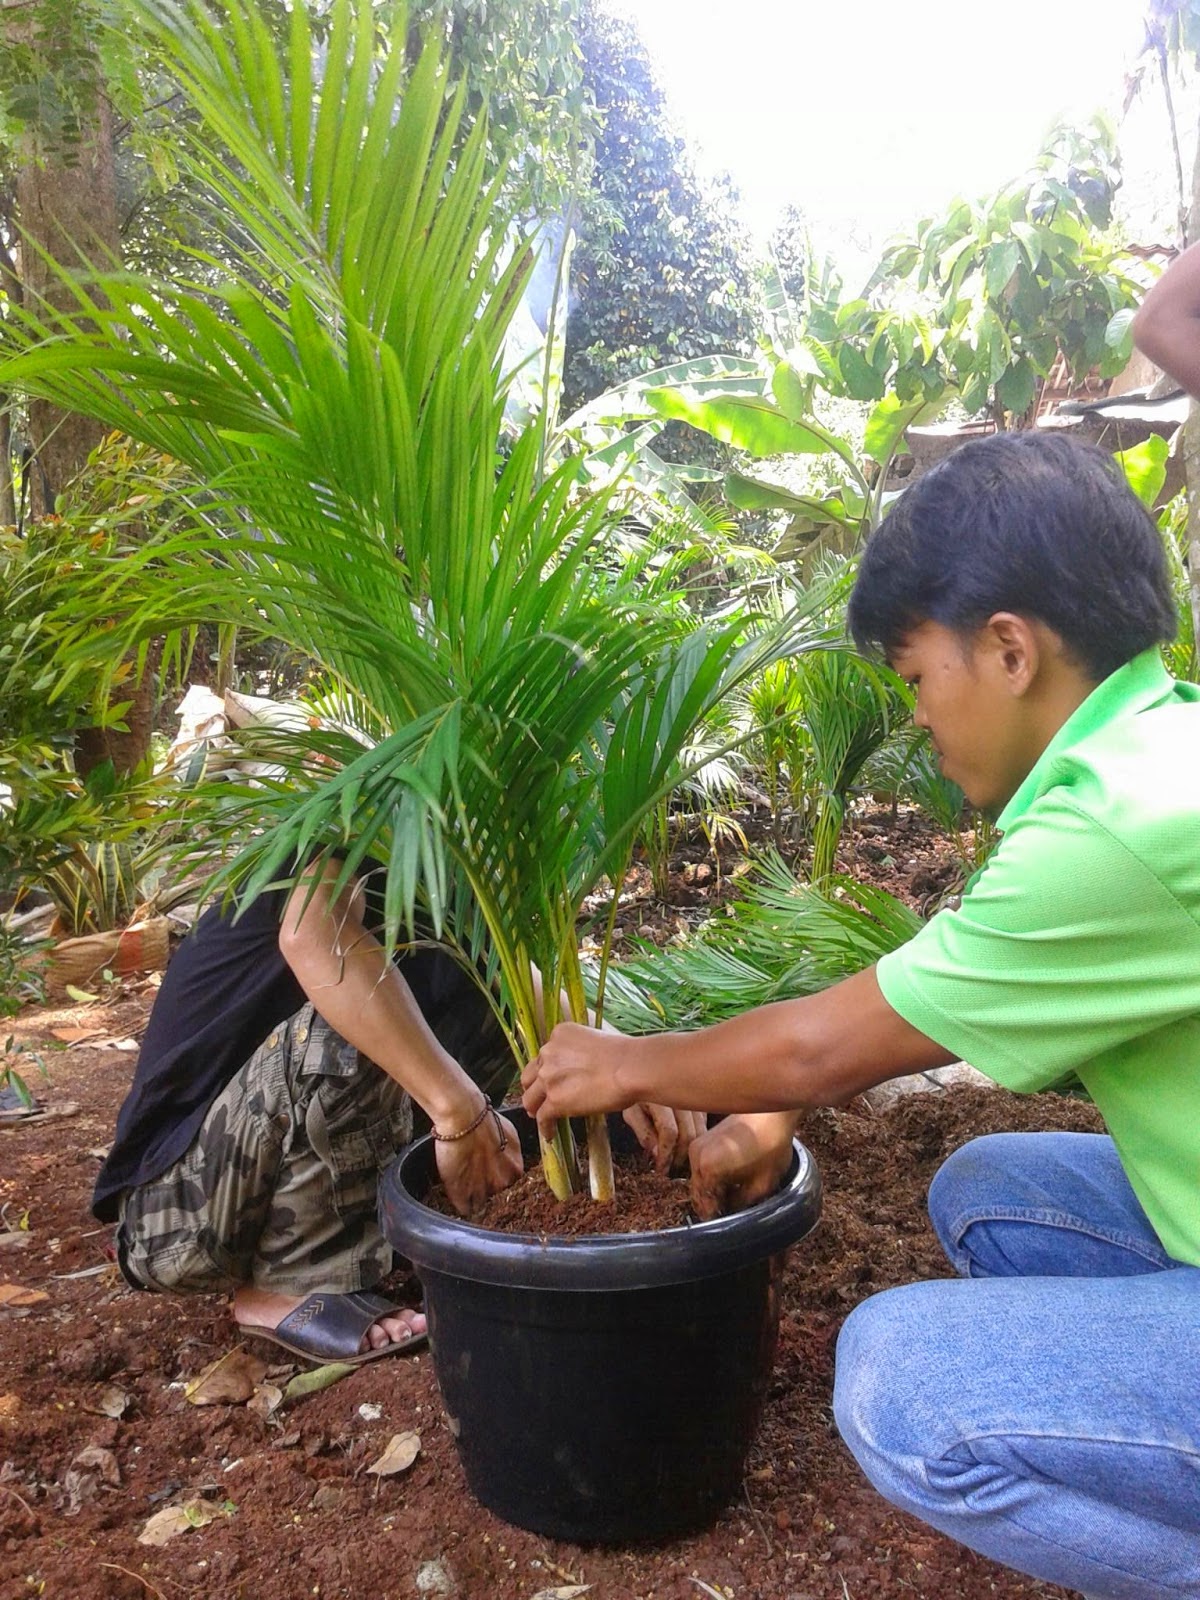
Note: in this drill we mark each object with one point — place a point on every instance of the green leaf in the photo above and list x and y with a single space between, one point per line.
318 1378
1002 262
861 380
750 494
1145 468
793 394
887 423
751 424
1016 388
1118 335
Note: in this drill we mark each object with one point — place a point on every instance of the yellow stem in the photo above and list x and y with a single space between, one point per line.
600 1161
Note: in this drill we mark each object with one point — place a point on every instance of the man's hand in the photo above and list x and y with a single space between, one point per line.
740 1161
666 1135
576 1073
475 1167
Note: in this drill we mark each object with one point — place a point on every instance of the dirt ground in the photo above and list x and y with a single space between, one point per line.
98 1435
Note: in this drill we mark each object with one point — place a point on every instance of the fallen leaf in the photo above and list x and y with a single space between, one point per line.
95 1458
171 1521
265 1400
76 1035
79 1488
569 1591
403 1449
110 1402
114 1044
230 1380
17 1240
306 1383
16 1294
80 994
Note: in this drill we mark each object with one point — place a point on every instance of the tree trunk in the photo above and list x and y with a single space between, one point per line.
67 214
67 209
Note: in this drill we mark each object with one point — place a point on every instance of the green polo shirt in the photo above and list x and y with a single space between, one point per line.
1077 948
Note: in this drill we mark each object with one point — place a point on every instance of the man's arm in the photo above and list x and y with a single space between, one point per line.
821 1050
770 1064
344 971
1167 325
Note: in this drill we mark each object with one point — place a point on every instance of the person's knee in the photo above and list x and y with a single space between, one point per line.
875 1349
895 1388
965 1184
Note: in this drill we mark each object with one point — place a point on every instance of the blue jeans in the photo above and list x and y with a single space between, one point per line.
1046 1411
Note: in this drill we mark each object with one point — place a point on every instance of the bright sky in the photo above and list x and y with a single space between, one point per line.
870 113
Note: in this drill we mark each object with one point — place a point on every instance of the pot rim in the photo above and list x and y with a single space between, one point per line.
457 1247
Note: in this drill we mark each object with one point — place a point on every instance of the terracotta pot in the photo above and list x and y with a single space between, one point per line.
601 1389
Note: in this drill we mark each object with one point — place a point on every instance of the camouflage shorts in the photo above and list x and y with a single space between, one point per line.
278 1187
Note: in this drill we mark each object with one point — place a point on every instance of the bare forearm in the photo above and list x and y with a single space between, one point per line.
820 1050
344 972
1167 325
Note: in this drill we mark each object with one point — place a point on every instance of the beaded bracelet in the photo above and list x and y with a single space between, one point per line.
449 1138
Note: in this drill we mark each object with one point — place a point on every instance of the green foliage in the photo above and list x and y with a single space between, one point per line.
660 274
48 579
779 940
527 695
1014 281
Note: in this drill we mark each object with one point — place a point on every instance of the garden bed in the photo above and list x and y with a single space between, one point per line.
297 1512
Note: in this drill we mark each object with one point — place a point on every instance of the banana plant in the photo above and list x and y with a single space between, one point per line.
339 399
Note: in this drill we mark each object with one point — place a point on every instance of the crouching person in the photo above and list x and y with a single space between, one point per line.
1042 1408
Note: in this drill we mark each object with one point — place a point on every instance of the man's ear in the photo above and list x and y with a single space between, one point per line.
1014 647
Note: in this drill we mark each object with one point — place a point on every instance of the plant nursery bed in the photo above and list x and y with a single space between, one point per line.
98 1434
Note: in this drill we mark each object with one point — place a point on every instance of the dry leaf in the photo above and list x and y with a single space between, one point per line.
403 1449
570 1591
16 1294
110 1402
265 1400
228 1381
16 1240
115 1044
95 1458
171 1521
76 1035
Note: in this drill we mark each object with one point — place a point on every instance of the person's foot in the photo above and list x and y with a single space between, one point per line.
260 1308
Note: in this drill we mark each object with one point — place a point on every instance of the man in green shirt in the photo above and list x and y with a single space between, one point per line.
1043 1409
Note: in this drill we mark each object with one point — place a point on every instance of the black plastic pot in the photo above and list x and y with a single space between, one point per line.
601 1389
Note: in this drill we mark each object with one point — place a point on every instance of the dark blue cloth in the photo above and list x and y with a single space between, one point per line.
226 987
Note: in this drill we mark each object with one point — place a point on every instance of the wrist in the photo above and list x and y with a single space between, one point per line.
644 1072
456 1106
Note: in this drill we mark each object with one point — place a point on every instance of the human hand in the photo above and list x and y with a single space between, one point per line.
576 1073
740 1161
665 1135
479 1164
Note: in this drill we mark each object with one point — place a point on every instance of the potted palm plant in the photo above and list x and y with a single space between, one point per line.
513 696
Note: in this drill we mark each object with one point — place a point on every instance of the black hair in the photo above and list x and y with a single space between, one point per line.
1034 523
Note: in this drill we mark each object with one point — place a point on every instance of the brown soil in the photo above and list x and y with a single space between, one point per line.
645 1201
298 1514
902 853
